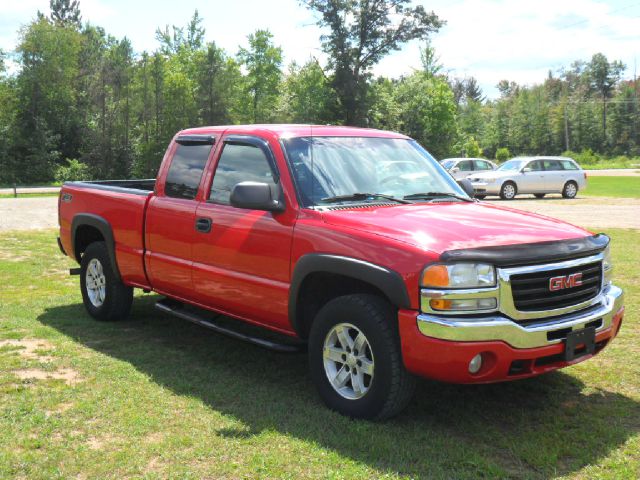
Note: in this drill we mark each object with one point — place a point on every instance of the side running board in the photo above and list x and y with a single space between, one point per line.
180 310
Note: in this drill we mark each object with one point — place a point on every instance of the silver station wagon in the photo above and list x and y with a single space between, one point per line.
536 175
461 168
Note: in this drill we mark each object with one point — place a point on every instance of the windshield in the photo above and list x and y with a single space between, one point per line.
328 167
448 164
512 165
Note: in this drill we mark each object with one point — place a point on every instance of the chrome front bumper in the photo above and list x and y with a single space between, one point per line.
530 335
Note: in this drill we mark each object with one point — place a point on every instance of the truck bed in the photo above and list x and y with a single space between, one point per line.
119 203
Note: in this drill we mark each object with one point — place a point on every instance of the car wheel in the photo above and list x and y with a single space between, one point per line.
508 191
570 190
539 195
103 295
480 197
355 358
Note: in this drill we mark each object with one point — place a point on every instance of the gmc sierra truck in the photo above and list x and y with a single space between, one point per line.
352 243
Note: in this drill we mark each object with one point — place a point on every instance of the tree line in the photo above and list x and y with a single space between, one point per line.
83 104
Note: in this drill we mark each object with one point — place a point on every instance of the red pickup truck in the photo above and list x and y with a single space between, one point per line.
353 243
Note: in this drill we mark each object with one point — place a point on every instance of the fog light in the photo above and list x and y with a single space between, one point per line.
475 364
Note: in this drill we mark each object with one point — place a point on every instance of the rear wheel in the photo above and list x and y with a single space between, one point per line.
508 191
570 190
539 195
355 358
103 295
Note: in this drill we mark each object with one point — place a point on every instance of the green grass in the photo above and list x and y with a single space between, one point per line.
29 195
623 187
156 397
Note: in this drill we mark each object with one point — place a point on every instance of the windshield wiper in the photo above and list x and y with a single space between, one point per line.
362 196
431 195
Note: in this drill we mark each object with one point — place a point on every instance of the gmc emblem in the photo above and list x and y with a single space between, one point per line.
567 281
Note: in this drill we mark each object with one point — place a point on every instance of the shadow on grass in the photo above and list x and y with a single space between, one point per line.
543 427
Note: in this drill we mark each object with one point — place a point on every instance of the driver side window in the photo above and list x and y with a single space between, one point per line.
239 163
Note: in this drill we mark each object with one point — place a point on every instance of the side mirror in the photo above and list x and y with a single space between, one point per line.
455 170
466 186
526 169
256 196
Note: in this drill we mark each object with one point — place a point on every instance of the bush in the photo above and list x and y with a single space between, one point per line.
503 154
72 172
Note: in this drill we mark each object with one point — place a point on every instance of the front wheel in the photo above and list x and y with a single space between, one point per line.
355 358
104 296
508 191
570 190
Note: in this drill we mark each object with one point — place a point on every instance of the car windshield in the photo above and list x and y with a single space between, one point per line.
328 167
448 164
511 165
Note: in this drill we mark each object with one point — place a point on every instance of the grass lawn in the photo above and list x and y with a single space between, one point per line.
156 397
626 187
29 195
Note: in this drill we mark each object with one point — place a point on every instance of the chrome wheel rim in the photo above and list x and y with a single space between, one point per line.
509 191
348 361
95 282
570 190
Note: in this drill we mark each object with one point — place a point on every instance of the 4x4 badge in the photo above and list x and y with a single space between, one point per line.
565 281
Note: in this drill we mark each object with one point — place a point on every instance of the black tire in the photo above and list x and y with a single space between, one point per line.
507 193
568 191
391 386
480 197
117 297
539 195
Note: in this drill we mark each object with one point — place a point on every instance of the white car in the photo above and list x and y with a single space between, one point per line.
461 168
536 175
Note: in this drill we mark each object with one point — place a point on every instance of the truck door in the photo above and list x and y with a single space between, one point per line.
241 266
170 221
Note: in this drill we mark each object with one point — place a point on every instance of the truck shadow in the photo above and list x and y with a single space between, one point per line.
542 428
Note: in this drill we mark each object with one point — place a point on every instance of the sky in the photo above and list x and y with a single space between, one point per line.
491 40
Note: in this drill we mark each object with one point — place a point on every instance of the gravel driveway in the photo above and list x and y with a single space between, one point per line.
598 212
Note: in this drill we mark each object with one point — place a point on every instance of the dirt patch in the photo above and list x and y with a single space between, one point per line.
70 376
600 212
28 213
30 348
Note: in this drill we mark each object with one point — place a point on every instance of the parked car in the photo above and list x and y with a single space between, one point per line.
536 175
461 168
352 243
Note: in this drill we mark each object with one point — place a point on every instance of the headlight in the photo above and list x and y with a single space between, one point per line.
459 275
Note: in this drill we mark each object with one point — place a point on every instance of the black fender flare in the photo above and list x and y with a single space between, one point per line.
387 281
104 227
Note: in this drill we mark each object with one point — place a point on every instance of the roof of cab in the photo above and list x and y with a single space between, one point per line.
294 130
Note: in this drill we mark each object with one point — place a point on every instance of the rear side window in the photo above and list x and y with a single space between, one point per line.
482 165
186 170
239 163
465 166
553 165
536 166
568 165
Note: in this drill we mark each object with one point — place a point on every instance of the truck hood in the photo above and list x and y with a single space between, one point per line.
438 227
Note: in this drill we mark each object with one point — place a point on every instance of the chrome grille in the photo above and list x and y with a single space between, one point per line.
531 290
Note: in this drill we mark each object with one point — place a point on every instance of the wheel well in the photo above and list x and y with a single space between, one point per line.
319 288
85 236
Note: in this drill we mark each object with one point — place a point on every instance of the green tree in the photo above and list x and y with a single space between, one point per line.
361 33
604 76
190 37
502 154
263 61
66 13
428 112
308 94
